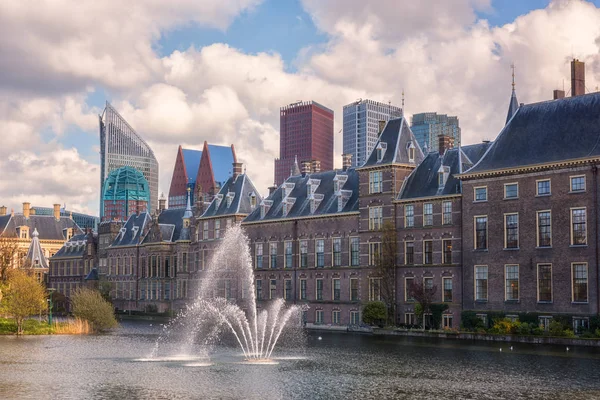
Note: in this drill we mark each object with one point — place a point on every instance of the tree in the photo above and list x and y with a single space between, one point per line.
89 305
423 296
23 297
385 268
374 313
9 252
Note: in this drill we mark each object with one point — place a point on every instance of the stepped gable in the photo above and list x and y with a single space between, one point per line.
546 132
301 207
396 138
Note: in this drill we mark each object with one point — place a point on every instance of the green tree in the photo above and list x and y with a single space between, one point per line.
23 296
90 306
385 268
374 313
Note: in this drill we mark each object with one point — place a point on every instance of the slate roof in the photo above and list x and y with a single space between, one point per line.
301 206
396 137
170 222
191 159
222 160
546 132
513 106
47 226
35 253
75 247
127 236
93 275
242 189
423 181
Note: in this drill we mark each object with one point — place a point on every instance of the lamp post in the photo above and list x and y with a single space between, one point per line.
50 306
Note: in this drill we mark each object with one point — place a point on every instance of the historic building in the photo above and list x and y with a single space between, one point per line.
201 171
84 221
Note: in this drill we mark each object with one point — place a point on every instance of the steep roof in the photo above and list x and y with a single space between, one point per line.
423 181
134 229
546 132
222 158
513 106
35 253
191 159
298 197
4 220
170 226
75 247
396 138
47 226
240 190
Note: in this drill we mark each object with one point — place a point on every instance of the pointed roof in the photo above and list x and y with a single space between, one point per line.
395 140
35 254
513 106
240 191
295 167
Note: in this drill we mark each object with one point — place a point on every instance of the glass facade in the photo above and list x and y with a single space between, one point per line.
428 126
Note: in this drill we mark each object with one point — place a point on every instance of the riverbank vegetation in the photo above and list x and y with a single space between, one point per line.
89 305
8 326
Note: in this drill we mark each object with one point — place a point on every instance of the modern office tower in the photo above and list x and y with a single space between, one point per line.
361 127
306 134
125 192
427 127
204 171
121 146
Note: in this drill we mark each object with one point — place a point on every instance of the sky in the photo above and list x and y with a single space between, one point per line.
185 71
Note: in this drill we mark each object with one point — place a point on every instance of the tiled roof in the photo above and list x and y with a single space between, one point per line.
240 191
546 132
513 106
325 199
4 220
131 233
395 139
191 158
75 247
47 226
35 253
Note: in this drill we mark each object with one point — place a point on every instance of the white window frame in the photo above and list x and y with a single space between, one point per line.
571 226
506 215
537 188
587 280
475 194
538 265
537 228
509 184
571 184
506 266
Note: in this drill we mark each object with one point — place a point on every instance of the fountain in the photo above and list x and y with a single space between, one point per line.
226 302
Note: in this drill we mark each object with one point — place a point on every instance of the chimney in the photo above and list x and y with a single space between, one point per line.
558 94
346 161
272 189
26 207
315 166
2 211
381 126
237 170
57 212
32 211
577 78
445 142
305 169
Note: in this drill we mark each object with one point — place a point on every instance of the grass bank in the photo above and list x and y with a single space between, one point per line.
76 326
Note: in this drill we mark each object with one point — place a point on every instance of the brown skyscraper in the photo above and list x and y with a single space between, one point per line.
306 132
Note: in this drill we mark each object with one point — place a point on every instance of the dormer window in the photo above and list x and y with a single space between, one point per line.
287 188
380 151
338 183
252 200
265 206
315 201
134 231
218 199
230 197
343 198
440 178
443 173
311 187
410 147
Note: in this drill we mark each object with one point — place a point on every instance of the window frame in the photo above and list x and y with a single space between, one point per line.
475 233
288 260
354 252
487 278
572 227
333 289
428 217
411 216
319 292
406 262
336 256
506 283
375 185
357 290
407 298
444 298
537 187
319 256
428 241
446 256
571 183
446 215
475 200
510 184
375 218
587 283
506 216
538 283
272 257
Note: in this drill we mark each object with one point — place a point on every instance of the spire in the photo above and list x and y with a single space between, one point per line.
35 254
188 208
295 168
513 105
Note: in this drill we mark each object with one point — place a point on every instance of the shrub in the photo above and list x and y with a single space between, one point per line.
374 313
436 314
471 322
504 327
89 305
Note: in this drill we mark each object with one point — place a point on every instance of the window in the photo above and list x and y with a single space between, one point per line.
319 287
447 321
544 285
319 317
335 317
409 216
578 183
447 212
447 294
273 254
205 231
409 318
184 261
481 232
428 283
481 283
303 253
302 289
336 289
288 255
407 289
580 283
374 289
272 288
543 187
337 251
578 226
511 276
409 253
259 289
511 190
427 251
544 229
375 184
427 214
375 218
354 318
354 251
481 193
447 245
440 179
287 289
545 322
374 253
353 289
217 229
580 324
511 231
320 250
259 255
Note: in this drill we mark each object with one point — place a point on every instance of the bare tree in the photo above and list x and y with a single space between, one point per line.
423 296
385 268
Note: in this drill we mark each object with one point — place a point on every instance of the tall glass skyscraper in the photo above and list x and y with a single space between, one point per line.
361 127
121 146
427 127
